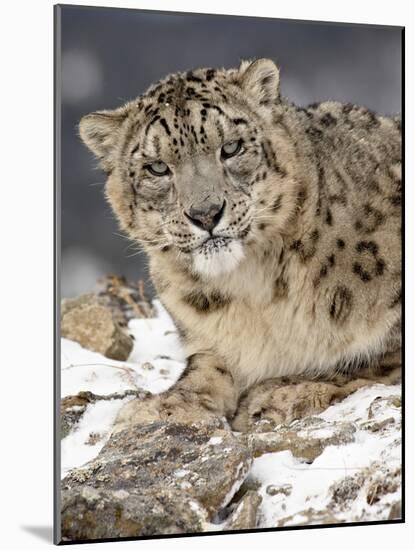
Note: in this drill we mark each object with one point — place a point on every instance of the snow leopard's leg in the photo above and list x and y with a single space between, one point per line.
204 390
282 400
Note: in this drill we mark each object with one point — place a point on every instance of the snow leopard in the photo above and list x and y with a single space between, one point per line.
273 233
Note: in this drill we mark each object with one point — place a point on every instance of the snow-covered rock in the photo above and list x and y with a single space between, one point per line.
343 466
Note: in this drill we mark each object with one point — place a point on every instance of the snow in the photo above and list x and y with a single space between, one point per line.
215 440
156 362
182 473
95 425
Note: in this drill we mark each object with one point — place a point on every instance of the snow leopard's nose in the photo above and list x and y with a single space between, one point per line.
207 216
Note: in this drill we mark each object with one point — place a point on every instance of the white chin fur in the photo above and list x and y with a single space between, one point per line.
219 261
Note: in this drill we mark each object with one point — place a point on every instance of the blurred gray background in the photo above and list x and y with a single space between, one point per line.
109 56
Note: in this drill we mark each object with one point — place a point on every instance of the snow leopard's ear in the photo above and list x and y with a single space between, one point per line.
261 80
100 130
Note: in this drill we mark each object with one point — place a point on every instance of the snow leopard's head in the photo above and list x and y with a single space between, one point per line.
196 166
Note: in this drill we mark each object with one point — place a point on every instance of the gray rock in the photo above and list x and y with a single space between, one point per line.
395 511
89 513
90 323
302 437
155 479
245 515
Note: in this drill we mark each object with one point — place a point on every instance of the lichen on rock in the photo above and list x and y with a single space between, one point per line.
90 323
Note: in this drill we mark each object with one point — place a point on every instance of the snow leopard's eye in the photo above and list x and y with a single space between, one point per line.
158 168
231 148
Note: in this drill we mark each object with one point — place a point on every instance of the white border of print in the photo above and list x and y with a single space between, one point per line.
27 280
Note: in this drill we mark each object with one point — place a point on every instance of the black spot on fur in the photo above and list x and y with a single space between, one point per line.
328 120
190 77
347 108
266 155
163 122
239 121
329 217
323 271
320 186
340 243
364 275
296 245
341 305
373 121
395 200
276 205
197 300
210 74
278 169
369 246
308 248
204 303
397 298
380 267
214 107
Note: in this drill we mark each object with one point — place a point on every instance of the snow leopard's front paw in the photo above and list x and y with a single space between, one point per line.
176 405
204 391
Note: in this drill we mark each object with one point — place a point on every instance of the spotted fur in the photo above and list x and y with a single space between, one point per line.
298 276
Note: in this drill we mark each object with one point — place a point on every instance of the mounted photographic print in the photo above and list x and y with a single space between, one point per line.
228 274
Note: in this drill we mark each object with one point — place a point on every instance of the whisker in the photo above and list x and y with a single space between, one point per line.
96 183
